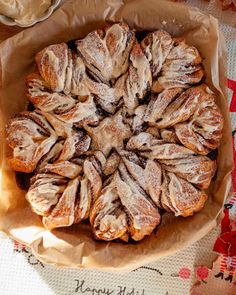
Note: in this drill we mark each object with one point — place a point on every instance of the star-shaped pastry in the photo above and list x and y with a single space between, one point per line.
110 133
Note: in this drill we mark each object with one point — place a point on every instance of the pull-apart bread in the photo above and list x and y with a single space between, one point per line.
118 132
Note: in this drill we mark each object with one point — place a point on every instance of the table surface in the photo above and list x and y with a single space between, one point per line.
22 273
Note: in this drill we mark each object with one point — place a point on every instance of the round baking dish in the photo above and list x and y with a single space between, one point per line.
11 22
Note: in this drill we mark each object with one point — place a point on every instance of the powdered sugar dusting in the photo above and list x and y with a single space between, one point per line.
119 129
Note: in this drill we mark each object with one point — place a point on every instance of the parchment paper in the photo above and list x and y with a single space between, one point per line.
75 246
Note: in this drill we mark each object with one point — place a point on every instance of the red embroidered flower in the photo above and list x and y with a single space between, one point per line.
184 273
232 85
202 272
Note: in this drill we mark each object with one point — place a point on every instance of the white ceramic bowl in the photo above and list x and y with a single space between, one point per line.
11 22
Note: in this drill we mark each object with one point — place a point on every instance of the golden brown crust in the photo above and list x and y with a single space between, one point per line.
31 137
156 47
198 170
203 131
108 218
181 68
52 62
106 52
40 95
181 197
138 79
63 214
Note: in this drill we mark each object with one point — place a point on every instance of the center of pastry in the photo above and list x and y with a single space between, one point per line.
120 130
110 133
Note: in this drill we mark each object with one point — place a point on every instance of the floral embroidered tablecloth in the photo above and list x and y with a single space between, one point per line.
190 271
